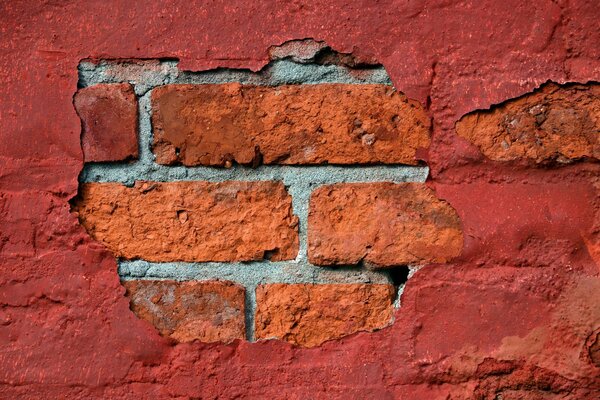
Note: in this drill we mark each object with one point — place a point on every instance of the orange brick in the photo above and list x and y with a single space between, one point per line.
382 224
309 314
191 221
294 124
554 123
210 311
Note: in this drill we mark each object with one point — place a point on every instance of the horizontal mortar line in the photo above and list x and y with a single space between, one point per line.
249 273
252 81
149 88
223 81
309 175
280 72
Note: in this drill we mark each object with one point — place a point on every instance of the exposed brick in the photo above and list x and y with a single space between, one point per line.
294 124
191 221
308 315
109 117
382 224
554 123
210 311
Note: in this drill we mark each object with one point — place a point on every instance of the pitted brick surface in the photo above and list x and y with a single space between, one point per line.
309 315
555 123
210 311
191 221
382 224
290 124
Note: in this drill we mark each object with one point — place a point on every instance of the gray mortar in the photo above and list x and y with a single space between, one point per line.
142 74
300 181
279 72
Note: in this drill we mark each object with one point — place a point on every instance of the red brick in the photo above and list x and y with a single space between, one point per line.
382 224
553 123
109 118
210 311
308 315
295 124
191 221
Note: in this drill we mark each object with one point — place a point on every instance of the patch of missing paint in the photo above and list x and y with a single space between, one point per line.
304 61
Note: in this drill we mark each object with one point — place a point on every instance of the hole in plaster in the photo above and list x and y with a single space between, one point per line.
293 63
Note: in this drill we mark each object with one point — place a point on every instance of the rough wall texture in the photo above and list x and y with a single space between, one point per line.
221 222
515 316
191 221
108 108
382 224
289 124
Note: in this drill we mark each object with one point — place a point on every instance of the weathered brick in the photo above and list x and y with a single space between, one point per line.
382 224
554 123
294 124
109 117
210 311
310 314
191 221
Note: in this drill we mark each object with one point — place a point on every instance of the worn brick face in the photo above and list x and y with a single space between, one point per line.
382 224
308 315
294 124
109 117
191 221
554 123
210 311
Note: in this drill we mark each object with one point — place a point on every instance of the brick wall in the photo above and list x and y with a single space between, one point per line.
271 206
235 176
510 90
286 204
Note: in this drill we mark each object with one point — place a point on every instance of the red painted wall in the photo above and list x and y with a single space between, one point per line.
494 320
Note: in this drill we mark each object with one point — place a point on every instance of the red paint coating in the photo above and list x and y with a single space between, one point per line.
65 327
528 221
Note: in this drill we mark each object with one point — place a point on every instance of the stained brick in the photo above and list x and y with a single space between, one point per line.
294 124
109 118
554 123
191 221
210 311
382 224
309 314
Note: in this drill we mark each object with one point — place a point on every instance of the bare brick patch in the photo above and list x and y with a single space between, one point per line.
382 225
185 311
217 254
290 124
191 221
309 315
554 123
